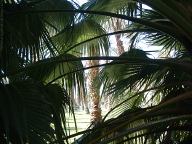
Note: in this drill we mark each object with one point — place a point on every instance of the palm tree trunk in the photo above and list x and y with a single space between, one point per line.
94 94
117 25
119 43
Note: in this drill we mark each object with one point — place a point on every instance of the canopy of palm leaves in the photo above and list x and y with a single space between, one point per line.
39 67
155 107
37 51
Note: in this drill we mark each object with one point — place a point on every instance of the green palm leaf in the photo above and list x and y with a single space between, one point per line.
32 112
82 31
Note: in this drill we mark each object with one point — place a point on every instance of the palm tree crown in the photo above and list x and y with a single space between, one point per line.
43 43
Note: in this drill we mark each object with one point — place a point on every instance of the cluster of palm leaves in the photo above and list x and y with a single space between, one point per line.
42 44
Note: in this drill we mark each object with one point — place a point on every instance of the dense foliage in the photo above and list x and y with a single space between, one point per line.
42 47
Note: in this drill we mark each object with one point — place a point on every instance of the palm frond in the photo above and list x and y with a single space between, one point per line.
54 70
82 31
134 74
168 42
169 9
32 112
141 125
129 8
57 21
29 35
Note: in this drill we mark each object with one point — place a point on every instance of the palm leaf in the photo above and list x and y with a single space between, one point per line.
32 112
129 8
82 31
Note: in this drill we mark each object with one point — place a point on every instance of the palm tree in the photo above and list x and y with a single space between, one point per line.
36 54
33 100
85 29
159 110
94 91
117 25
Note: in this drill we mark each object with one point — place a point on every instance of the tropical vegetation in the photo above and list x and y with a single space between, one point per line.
43 45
